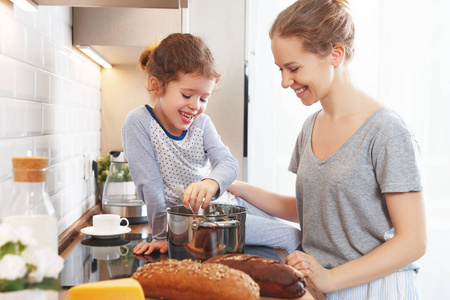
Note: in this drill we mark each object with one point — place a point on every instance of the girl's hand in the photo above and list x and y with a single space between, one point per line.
199 192
309 266
147 248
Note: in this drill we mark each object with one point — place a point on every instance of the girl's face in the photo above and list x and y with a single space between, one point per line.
183 102
307 74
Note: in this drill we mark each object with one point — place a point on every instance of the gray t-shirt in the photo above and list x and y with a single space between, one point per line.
340 201
159 161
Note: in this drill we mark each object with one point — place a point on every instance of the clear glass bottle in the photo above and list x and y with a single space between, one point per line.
30 203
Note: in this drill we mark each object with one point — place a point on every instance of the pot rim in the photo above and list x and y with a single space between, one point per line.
242 208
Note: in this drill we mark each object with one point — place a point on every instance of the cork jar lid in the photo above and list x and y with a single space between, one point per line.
30 169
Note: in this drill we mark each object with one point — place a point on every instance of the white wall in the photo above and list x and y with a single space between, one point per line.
275 117
123 89
49 105
222 25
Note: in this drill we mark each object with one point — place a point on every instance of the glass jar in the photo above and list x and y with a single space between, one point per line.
30 203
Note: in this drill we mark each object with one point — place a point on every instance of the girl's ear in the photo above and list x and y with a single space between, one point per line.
337 55
153 84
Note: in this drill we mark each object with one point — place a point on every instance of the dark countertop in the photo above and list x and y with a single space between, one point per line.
88 259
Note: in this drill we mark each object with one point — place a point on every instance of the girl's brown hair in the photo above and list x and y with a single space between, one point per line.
321 24
175 54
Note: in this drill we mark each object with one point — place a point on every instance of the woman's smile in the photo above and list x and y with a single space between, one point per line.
308 74
301 91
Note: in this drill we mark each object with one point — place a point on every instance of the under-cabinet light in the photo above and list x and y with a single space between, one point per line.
27 5
95 56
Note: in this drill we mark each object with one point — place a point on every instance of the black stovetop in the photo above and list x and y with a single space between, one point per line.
102 259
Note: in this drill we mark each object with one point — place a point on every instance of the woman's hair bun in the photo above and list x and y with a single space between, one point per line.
344 3
321 24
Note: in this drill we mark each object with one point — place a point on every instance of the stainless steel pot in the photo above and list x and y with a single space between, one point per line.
215 230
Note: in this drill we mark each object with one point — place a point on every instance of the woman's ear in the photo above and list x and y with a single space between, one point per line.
337 55
153 84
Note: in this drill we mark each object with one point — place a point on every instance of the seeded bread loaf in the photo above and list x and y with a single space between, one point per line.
275 279
187 279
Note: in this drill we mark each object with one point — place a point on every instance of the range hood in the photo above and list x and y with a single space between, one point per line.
118 30
120 34
117 3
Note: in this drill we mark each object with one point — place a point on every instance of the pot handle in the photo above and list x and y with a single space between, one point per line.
215 225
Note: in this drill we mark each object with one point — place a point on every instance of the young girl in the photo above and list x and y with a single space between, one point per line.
358 188
175 144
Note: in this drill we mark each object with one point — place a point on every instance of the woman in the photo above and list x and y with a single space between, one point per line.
358 189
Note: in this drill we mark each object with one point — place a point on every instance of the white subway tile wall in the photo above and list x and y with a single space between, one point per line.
6 75
49 106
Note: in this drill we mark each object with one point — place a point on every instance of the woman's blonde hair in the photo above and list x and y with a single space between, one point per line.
178 53
321 24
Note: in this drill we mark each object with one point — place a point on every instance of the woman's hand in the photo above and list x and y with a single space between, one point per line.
310 267
236 188
200 192
147 248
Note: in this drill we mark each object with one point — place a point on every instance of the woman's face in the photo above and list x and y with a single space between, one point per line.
183 102
310 76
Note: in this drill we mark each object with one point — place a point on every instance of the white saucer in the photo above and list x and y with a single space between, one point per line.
111 235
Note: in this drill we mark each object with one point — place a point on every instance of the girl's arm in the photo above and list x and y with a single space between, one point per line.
144 169
225 167
281 206
408 244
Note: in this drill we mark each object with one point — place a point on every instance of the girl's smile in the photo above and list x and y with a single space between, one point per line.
187 117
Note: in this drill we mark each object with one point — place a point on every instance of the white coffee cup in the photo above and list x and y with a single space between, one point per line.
108 223
109 253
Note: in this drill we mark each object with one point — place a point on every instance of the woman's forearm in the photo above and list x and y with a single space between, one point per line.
407 245
281 206
382 261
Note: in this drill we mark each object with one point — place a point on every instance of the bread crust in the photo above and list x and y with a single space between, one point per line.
187 279
274 278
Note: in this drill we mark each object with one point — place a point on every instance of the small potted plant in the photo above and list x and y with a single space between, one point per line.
103 168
